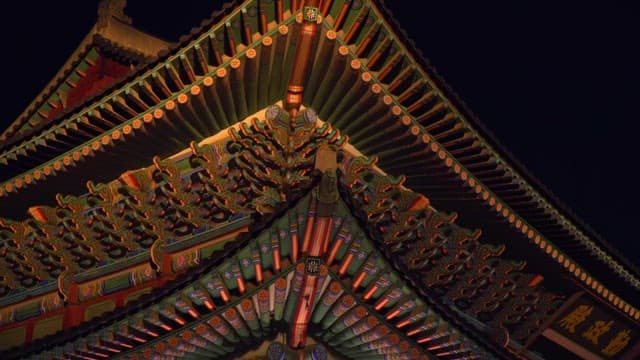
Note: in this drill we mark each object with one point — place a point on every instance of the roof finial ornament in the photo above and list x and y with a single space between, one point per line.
112 8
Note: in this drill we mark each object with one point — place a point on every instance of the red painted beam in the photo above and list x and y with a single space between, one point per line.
302 56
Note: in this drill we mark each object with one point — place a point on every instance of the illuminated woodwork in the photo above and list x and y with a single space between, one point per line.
290 181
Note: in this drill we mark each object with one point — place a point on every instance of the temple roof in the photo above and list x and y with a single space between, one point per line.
108 53
367 82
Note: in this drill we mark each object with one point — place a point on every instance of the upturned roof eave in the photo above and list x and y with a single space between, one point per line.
118 38
490 142
469 331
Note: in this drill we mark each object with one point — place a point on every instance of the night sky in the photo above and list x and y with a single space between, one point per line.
558 86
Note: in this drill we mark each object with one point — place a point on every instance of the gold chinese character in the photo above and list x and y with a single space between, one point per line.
598 328
310 13
574 319
617 343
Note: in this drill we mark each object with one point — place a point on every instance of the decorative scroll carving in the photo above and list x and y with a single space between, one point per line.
505 280
526 310
478 275
250 172
53 252
105 222
17 254
448 260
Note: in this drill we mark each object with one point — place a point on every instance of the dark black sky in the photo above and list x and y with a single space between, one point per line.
557 83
